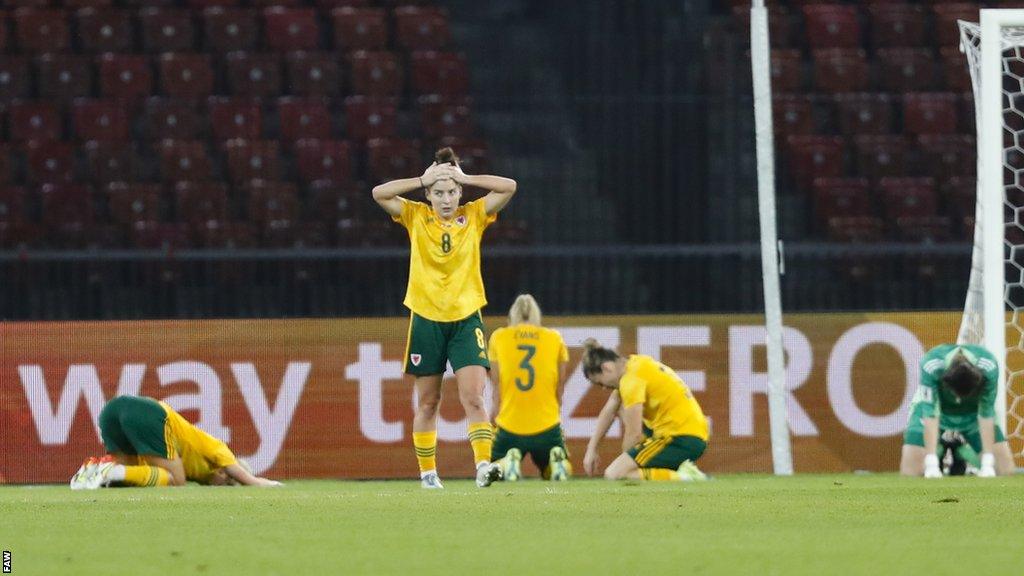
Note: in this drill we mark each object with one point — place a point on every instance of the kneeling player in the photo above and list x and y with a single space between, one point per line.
528 365
647 395
957 394
149 444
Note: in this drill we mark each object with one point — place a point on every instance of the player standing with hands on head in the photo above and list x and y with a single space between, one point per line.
957 394
445 295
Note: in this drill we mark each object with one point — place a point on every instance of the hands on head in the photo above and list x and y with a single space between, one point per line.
436 172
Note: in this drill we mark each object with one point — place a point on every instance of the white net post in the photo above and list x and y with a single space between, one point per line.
782 458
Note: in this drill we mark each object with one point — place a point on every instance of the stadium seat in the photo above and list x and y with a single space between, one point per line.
793 114
6 167
897 25
274 208
323 160
300 118
391 158
63 76
360 28
252 160
965 113
947 155
906 69
335 203
196 203
856 229
186 75
229 235
34 121
50 162
421 28
152 235
104 120
376 73
440 117
110 162
370 117
444 73
832 26
864 113
841 70
472 153
5 37
174 119
68 213
288 29
230 29
167 30
133 202
14 77
907 197
12 204
784 28
313 74
205 4
127 77
256 75
955 75
878 156
925 229
235 118
787 71
39 31
102 30
960 194
946 30
811 157
929 113
184 160
838 197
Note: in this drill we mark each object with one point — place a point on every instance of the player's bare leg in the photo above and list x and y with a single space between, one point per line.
912 460
1004 459
622 468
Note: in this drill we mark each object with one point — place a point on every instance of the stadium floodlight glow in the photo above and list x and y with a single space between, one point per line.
760 52
995 56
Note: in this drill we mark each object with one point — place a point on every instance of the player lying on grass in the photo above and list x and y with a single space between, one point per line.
664 429
528 364
149 444
957 394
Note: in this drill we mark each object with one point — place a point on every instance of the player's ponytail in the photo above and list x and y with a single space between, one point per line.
594 355
446 156
524 310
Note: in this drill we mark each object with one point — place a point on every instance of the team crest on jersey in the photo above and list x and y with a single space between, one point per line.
415 359
461 220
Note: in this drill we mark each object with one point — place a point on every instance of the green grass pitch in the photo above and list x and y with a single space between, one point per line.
837 524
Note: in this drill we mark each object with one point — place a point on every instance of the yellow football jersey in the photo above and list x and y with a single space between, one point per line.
528 360
669 407
201 454
444 266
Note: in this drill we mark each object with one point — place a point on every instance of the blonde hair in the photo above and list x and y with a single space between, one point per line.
524 310
594 355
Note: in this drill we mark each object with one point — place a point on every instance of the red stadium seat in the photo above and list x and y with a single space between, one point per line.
358 28
130 202
39 31
64 77
878 156
313 74
228 235
288 29
926 229
5 164
793 114
125 77
88 3
946 30
300 118
960 196
34 121
376 73
391 158
906 69
813 157
955 74
257 75
186 75
110 162
105 120
908 197
841 70
151 235
947 156
68 212
929 113
334 203
104 30
787 71
864 113
4 36
440 117
323 160
167 30
784 27
370 117
230 29
272 205
197 203
12 204
444 73
235 118
183 160
166 118
421 28
14 77
856 229
841 197
252 160
342 3
897 25
50 162
832 26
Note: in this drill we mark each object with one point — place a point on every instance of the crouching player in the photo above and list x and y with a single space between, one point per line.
664 429
528 364
149 444
957 394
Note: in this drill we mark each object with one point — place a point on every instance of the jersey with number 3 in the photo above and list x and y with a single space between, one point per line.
528 359
934 399
669 407
444 263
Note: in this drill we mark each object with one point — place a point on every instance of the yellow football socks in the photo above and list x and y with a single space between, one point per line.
426 449
659 474
481 437
146 476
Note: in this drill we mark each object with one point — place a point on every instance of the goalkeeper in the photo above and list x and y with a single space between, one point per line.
957 394
149 444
